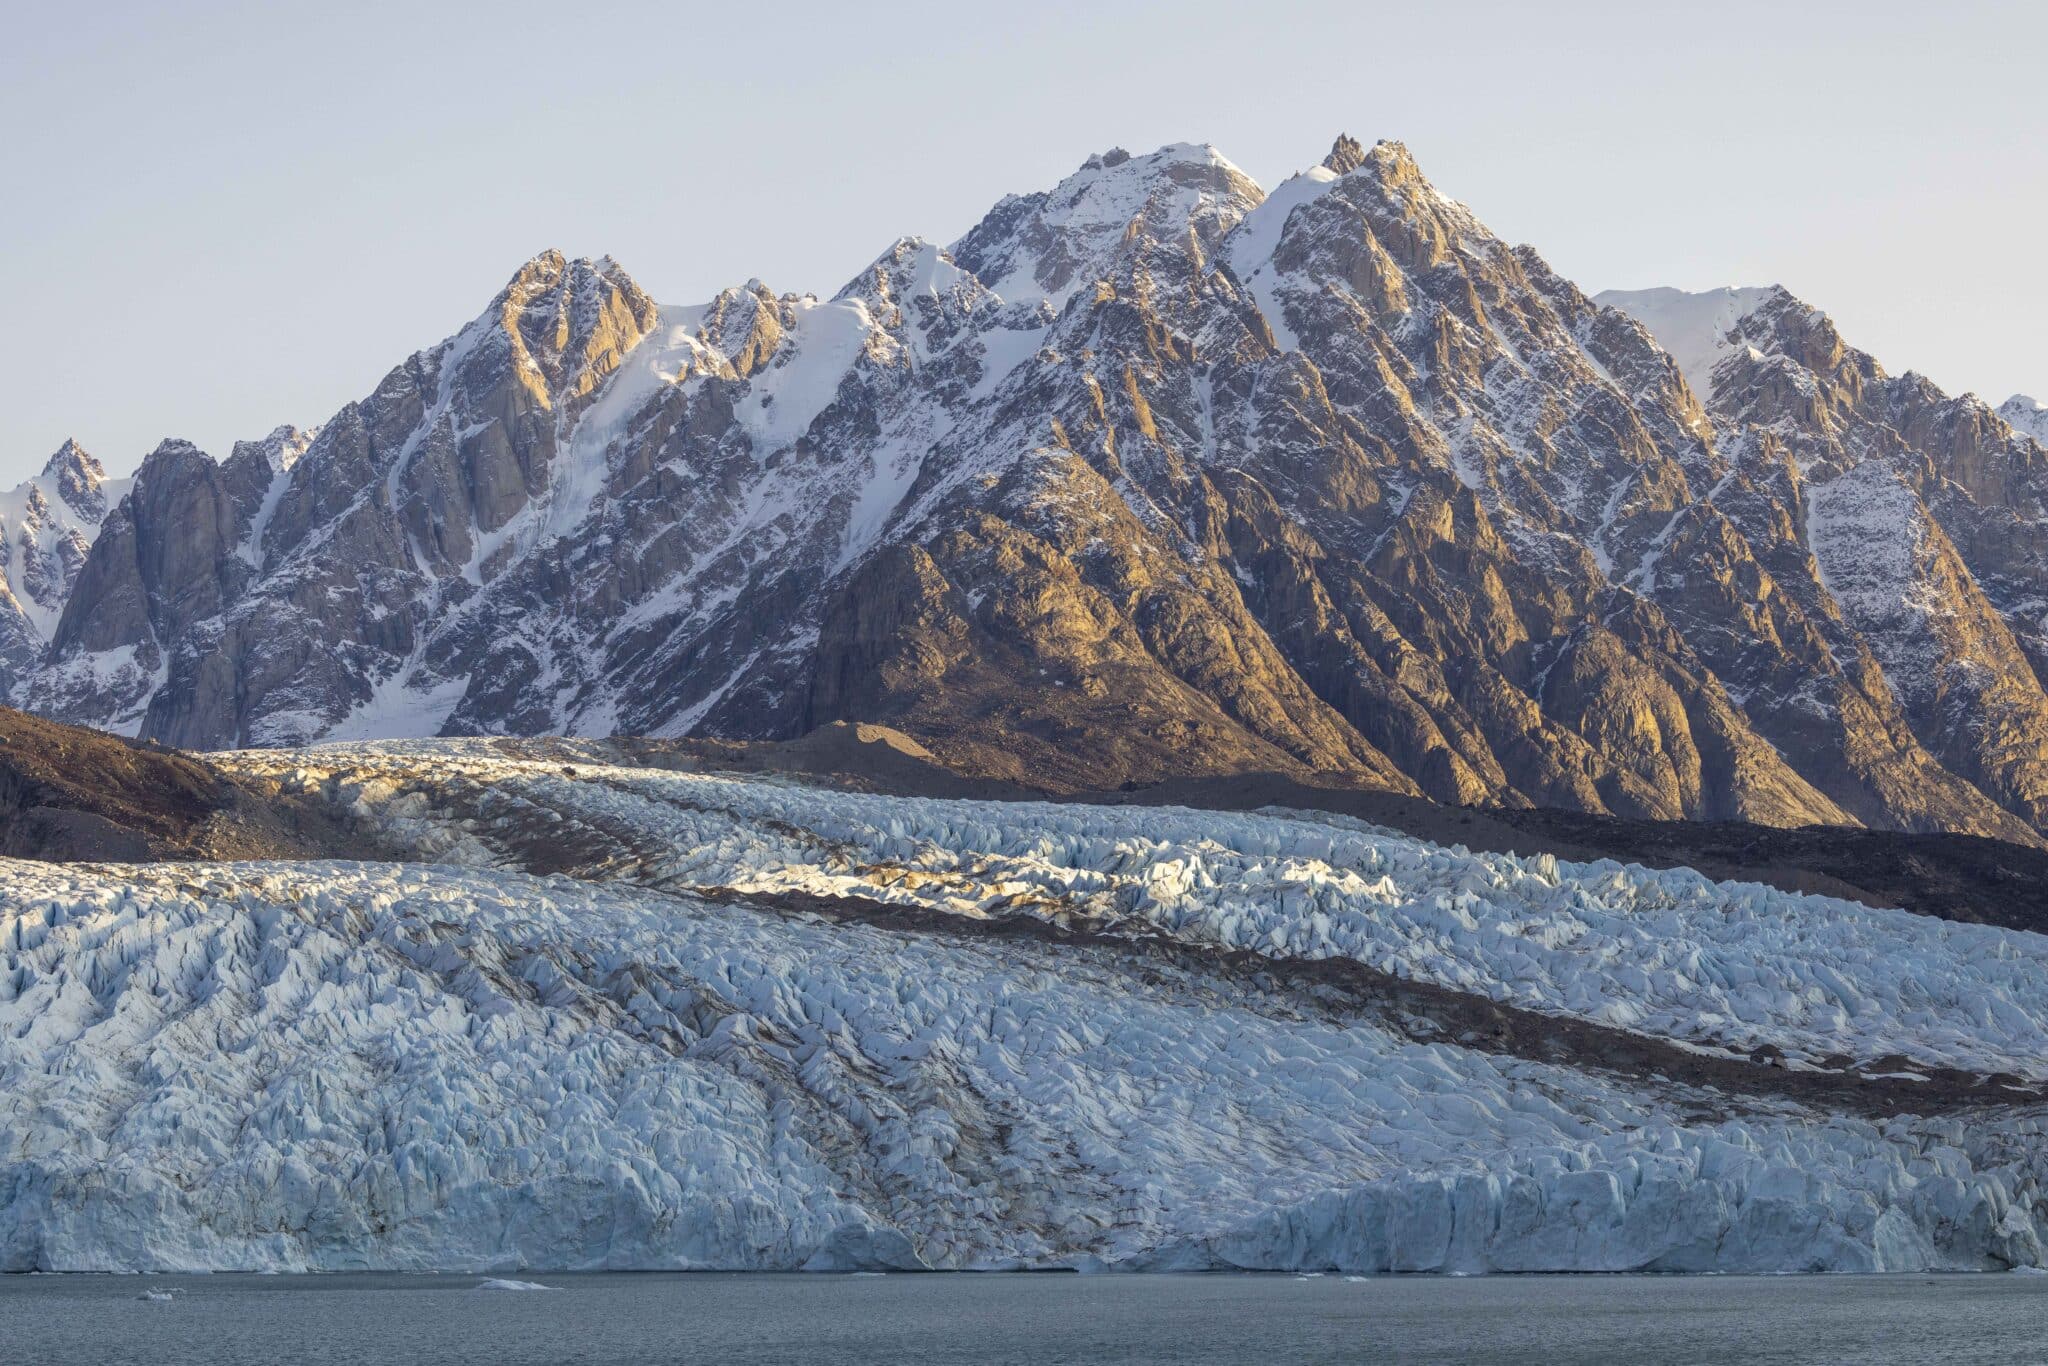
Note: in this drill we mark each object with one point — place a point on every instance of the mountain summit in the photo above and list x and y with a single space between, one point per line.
1150 473
2025 415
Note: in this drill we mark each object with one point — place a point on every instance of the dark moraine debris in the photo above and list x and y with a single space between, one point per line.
73 794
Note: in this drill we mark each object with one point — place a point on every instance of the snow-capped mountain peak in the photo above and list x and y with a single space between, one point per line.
47 526
280 449
1046 246
570 322
2023 414
71 462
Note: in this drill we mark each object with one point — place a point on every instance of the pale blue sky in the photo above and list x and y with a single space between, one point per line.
216 217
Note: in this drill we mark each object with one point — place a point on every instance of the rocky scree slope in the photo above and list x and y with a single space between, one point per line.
1150 474
71 793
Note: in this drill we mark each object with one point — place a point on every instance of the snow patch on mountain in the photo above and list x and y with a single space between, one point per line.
670 353
2023 414
1870 540
403 706
804 377
1694 328
1249 248
115 673
280 450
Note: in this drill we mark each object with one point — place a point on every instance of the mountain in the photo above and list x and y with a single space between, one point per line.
47 526
597 1013
1149 474
1909 518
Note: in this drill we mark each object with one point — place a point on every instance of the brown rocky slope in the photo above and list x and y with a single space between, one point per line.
68 793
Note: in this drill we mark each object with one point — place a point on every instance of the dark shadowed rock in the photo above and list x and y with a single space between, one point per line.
68 794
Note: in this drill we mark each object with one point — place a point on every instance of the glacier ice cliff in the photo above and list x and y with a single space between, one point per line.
615 1017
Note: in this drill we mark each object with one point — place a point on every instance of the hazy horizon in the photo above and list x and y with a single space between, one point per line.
240 216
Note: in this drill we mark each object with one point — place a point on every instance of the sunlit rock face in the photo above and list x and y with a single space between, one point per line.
1914 517
1150 473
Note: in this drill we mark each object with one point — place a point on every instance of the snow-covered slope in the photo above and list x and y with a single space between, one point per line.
1696 328
1038 249
2027 416
761 1025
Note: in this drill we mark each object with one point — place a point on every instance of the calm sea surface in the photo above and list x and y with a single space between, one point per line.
1012 1318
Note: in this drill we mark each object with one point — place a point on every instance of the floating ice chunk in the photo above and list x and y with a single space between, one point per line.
498 1283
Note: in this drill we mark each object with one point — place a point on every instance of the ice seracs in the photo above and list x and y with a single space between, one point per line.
993 1036
1645 951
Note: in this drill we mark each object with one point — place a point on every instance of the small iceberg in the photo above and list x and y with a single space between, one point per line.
496 1283
159 1296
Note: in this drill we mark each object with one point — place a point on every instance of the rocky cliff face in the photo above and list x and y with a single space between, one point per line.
1910 518
1150 473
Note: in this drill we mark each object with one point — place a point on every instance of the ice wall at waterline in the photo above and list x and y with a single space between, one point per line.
342 1065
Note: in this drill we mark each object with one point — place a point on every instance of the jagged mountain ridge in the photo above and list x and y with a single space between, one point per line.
1921 514
1149 473
47 526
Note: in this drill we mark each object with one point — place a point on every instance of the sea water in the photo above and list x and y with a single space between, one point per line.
624 1318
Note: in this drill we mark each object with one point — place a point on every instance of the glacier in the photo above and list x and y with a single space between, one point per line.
597 1015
